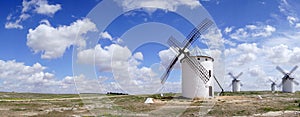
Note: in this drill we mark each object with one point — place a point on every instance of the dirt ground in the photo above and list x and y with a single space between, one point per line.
231 104
257 104
13 105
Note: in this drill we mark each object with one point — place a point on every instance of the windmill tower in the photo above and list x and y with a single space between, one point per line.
273 84
197 71
236 83
287 81
192 86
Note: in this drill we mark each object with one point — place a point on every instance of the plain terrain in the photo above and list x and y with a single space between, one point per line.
252 103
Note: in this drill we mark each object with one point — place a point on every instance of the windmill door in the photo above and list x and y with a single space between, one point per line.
210 91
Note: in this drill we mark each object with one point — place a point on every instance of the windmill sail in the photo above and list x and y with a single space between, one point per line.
196 32
281 70
235 77
198 68
287 79
235 82
174 44
297 83
168 70
293 69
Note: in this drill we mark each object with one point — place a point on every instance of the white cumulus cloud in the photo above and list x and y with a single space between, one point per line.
124 66
297 25
170 5
252 32
104 56
228 29
105 35
292 19
16 76
52 42
166 56
289 11
259 62
11 25
28 7
138 56
40 7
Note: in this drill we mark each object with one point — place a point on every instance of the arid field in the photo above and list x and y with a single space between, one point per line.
230 104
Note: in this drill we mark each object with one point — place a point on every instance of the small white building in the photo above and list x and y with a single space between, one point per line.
288 85
192 85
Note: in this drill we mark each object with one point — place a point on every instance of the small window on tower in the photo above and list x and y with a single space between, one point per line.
209 73
206 59
198 58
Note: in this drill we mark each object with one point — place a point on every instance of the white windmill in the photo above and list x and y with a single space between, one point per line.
273 84
236 83
287 81
197 71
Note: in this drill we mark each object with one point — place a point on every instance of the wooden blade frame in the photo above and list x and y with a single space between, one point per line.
195 34
198 68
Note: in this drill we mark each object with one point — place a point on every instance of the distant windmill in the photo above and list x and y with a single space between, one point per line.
196 70
287 81
273 84
236 83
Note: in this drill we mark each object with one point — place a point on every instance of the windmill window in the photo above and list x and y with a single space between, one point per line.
209 73
198 58
206 59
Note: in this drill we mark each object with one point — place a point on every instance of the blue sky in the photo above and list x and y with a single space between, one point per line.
43 41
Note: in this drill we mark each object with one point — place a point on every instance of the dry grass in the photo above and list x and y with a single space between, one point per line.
32 104
248 103
231 104
134 103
